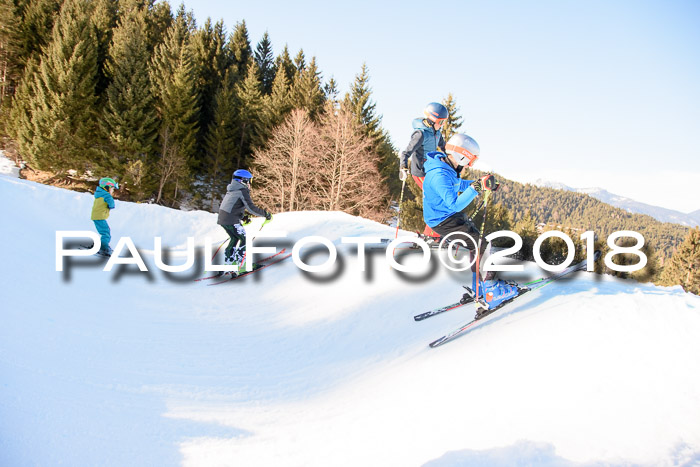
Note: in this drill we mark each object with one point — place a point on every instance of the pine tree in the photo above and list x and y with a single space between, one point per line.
210 60
21 125
61 98
104 17
527 230
173 78
277 105
240 51
454 120
331 91
264 59
497 216
284 62
167 54
359 102
300 62
684 266
9 52
159 20
250 121
130 121
180 109
306 91
221 141
36 19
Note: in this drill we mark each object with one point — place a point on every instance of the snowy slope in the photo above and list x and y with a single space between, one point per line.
296 369
7 166
660 214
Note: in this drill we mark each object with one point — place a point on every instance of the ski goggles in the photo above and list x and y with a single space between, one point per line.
461 155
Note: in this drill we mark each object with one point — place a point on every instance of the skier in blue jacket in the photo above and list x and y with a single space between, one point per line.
446 195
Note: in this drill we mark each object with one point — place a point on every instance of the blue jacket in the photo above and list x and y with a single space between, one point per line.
441 190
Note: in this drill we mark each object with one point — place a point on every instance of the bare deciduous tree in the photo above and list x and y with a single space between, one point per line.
348 179
284 166
329 167
171 162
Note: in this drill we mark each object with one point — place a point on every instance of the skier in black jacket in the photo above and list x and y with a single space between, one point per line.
232 216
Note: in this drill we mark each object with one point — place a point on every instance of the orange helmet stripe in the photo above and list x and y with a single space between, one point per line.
460 150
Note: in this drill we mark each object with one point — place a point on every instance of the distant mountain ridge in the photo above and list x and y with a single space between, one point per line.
660 214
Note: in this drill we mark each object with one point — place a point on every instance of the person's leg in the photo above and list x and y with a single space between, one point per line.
239 239
105 235
460 227
228 252
491 290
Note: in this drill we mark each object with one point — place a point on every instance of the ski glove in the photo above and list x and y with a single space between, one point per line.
268 216
245 220
403 174
476 184
488 182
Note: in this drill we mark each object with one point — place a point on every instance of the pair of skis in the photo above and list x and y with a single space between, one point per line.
261 264
523 289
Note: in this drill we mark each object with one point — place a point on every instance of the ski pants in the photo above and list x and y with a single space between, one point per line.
105 235
236 245
461 226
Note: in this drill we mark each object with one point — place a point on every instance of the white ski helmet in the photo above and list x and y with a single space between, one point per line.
463 148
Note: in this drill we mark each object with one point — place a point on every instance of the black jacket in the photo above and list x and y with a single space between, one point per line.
423 140
235 203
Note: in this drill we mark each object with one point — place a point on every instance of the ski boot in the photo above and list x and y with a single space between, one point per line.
495 293
471 293
106 252
228 262
431 241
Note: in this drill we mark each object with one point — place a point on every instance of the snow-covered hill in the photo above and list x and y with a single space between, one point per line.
660 214
286 368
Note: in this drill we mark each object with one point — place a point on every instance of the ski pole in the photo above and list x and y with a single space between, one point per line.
478 247
398 215
483 203
217 250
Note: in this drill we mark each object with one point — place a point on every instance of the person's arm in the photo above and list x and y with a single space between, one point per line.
110 201
445 190
413 144
464 184
250 206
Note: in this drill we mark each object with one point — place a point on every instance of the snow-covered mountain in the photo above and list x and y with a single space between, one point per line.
287 368
660 214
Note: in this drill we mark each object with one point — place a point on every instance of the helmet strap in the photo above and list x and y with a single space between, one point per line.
452 163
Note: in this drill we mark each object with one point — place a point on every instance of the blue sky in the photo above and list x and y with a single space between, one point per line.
586 93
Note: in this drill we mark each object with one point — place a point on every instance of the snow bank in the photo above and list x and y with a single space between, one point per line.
7 166
295 369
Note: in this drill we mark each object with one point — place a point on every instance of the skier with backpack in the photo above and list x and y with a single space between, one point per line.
104 202
426 137
232 217
445 196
